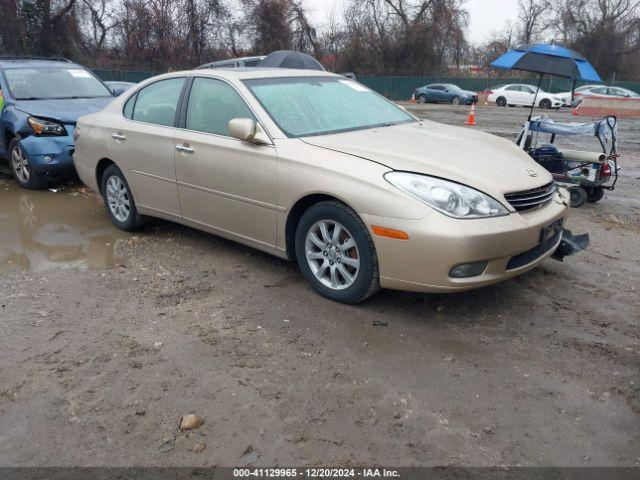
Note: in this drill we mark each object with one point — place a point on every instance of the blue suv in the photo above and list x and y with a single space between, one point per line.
40 102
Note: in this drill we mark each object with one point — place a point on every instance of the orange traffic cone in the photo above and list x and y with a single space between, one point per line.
575 111
413 98
471 121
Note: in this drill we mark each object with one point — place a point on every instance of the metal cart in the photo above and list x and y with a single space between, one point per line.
586 174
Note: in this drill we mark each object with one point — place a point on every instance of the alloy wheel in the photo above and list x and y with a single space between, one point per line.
118 198
332 254
20 165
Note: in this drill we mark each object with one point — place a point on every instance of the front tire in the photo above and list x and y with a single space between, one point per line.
22 170
336 254
119 201
545 103
455 100
422 98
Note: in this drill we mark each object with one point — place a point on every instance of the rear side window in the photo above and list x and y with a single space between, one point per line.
513 88
158 102
128 107
212 104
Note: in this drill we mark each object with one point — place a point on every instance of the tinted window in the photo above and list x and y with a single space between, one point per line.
251 63
599 91
158 102
527 89
128 107
437 87
513 88
212 104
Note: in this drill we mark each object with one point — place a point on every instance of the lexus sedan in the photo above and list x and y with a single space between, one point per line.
317 168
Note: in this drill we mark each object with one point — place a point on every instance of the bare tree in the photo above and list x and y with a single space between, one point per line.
532 19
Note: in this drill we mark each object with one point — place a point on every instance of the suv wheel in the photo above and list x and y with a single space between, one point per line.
118 200
22 170
336 253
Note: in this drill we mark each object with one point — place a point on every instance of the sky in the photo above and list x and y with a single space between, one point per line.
485 16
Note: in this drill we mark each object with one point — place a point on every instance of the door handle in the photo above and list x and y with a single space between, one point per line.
184 149
118 136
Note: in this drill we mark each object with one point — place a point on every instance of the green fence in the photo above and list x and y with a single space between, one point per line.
134 76
401 88
397 88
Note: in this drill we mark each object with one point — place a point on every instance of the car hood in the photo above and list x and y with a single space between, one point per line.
63 110
486 162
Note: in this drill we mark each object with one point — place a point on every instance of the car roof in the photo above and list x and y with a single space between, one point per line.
245 73
34 62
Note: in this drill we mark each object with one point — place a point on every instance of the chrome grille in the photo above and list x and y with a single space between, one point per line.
531 199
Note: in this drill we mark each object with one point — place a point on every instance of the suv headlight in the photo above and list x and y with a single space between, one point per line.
452 199
45 128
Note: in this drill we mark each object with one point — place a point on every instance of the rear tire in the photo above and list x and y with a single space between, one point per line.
594 194
22 170
578 196
501 102
118 200
336 254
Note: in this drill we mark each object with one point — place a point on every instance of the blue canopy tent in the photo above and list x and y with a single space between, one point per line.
548 59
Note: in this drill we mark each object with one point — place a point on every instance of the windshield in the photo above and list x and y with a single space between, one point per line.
53 83
306 106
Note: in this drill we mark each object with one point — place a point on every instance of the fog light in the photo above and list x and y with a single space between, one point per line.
467 270
48 158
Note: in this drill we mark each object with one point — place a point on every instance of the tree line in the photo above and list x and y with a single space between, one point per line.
381 37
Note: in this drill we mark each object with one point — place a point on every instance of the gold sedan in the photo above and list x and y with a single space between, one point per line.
314 167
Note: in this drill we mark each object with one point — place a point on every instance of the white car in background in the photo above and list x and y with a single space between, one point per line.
522 94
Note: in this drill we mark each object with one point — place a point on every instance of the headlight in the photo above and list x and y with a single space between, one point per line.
44 127
450 198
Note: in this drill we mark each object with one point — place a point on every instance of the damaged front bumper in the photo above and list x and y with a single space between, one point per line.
50 155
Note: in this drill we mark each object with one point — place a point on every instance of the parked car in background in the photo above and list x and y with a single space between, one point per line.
522 94
118 88
576 94
314 167
445 93
43 99
603 91
235 62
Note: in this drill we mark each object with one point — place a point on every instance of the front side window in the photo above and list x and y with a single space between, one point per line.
212 105
306 106
48 83
157 103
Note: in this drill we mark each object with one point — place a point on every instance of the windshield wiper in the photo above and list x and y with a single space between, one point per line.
30 98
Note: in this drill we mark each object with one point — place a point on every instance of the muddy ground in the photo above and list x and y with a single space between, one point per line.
107 339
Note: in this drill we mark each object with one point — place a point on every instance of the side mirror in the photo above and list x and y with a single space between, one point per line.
248 130
117 91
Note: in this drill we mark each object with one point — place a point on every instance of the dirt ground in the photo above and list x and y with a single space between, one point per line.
107 339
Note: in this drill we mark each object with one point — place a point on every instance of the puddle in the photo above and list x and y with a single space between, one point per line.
43 230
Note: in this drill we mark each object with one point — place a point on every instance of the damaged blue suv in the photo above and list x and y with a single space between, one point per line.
40 102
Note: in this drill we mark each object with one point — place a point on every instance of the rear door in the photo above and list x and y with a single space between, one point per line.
142 145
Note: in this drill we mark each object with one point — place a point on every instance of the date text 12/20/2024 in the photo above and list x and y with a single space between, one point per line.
315 473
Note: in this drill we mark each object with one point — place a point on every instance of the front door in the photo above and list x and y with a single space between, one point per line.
224 183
